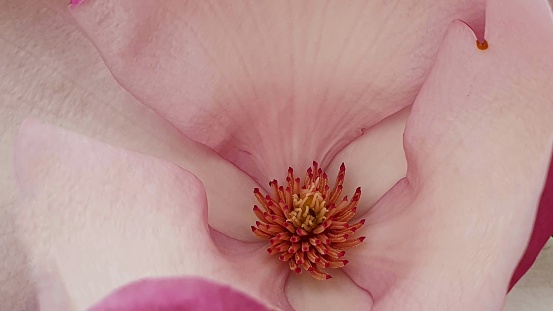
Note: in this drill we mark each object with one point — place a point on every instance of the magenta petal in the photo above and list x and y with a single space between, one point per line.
177 294
272 84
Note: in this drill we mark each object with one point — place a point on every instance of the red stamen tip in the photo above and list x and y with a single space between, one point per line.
328 276
253 228
317 260
269 250
310 269
297 270
342 167
341 254
362 238
255 190
362 221
346 236
345 262
327 265
290 170
291 251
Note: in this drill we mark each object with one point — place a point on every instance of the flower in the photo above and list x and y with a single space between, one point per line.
309 225
409 229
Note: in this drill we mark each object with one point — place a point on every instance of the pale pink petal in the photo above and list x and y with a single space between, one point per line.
94 218
375 161
478 145
272 84
337 294
177 294
50 70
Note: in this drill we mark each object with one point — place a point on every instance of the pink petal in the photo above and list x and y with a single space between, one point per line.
478 145
177 294
374 161
274 84
50 70
337 294
94 218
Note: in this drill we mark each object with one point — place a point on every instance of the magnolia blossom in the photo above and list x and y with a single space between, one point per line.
450 186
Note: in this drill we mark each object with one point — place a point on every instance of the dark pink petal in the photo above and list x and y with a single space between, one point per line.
95 217
177 294
478 145
272 84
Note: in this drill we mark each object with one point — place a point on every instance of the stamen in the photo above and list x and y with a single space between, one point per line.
307 225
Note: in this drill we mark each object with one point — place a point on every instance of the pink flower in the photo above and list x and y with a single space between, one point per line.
258 88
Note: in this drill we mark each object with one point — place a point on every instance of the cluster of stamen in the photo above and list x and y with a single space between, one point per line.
307 224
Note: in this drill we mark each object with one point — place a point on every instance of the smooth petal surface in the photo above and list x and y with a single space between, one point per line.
94 218
272 84
177 294
54 88
375 161
337 294
478 144
50 70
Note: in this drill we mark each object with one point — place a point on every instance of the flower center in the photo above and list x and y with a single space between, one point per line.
307 224
309 208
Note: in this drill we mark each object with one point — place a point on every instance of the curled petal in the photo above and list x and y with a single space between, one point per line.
478 145
261 83
94 218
